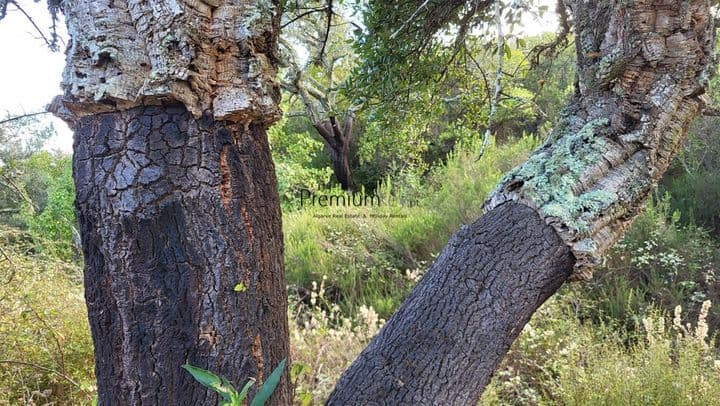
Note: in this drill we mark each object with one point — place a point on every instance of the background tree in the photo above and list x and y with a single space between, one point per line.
320 32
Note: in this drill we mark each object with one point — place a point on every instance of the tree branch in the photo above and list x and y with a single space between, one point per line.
11 119
52 44
498 79
315 10
327 29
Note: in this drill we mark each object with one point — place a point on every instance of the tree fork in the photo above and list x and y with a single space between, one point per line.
338 142
643 70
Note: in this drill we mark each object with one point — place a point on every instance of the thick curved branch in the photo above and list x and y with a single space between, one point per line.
641 80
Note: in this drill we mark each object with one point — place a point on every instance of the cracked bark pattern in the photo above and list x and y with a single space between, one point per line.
175 212
643 70
443 344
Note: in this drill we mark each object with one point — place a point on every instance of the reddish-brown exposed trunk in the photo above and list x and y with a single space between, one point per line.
338 142
175 213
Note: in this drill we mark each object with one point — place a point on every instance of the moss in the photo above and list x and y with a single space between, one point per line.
549 176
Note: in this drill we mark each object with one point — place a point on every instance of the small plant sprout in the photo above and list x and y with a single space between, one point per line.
230 395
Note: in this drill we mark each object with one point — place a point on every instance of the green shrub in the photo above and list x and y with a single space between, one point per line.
560 360
659 262
367 259
671 366
54 226
299 163
46 351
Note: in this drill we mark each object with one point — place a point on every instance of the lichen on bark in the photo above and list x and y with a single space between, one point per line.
643 70
209 55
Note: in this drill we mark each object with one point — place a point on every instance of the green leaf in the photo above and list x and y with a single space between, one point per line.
297 369
269 386
240 287
305 398
211 381
243 393
507 51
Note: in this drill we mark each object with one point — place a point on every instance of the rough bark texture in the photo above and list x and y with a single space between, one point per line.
176 193
211 55
643 69
174 213
338 142
445 341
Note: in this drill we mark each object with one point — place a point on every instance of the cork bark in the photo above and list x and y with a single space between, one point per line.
176 193
643 70
210 55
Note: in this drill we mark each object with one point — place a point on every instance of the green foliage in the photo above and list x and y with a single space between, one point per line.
659 262
218 384
46 355
37 192
692 180
367 252
269 386
299 162
54 225
24 170
230 395
560 360
432 118
422 37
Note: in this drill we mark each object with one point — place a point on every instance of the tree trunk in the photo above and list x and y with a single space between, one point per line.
338 142
447 338
175 213
643 70
176 193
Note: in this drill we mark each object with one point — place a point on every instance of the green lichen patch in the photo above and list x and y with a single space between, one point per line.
551 175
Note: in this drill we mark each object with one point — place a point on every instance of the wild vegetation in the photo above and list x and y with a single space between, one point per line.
643 331
646 315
